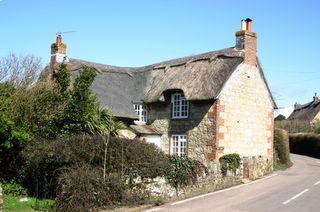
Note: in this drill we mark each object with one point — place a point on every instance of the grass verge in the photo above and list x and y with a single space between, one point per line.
13 204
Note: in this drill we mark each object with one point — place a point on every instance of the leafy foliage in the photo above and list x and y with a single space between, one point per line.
281 148
12 140
81 189
305 144
130 159
184 171
294 126
229 162
63 78
280 118
13 189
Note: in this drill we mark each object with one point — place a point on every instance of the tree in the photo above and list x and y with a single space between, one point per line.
63 78
12 140
21 71
280 118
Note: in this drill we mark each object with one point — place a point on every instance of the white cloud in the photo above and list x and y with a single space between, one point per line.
286 111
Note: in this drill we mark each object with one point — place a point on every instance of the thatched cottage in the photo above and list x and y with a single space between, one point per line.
309 112
204 106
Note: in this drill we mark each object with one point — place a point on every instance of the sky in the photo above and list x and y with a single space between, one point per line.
143 32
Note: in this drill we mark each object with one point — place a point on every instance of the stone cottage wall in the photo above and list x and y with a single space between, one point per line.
316 118
199 127
247 115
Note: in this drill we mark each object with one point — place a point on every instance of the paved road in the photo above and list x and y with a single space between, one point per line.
296 189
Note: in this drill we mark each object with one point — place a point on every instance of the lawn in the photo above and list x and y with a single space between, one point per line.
13 204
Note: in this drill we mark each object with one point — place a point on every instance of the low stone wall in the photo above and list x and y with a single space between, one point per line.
256 167
251 168
212 182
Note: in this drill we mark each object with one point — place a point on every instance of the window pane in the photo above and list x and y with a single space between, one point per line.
178 144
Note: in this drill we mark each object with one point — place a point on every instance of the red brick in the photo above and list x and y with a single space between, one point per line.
211 156
220 136
270 114
221 108
270 127
211 115
270 152
220 122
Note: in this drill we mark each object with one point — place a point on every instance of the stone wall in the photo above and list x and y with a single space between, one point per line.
199 128
205 184
239 121
256 167
247 115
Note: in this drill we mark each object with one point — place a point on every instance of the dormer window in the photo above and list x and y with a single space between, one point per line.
180 106
141 110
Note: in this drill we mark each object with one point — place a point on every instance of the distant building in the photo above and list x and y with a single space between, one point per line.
203 106
309 112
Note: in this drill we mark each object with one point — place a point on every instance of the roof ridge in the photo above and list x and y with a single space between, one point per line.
228 52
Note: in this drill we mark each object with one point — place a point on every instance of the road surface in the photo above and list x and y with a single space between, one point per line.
295 189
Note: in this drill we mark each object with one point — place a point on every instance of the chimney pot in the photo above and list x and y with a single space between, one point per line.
315 98
59 39
243 24
249 24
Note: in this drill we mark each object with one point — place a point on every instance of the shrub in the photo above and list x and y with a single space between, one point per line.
13 189
46 159
305 144
134 158
281 148
184 171
229 162
83 188
294 126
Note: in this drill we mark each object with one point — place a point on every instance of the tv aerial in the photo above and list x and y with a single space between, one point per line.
60 33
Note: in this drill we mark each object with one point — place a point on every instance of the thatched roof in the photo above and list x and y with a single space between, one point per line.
200 77
306 112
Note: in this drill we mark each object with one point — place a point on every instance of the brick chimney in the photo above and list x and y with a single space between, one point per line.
58 51
296 106
247 40
315 98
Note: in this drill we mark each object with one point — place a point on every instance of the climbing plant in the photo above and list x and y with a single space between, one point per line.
229 162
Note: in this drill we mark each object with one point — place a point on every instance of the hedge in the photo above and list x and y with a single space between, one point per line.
305 144
281 147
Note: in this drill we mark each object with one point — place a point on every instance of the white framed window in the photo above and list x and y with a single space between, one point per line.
180 106
142 112
179 144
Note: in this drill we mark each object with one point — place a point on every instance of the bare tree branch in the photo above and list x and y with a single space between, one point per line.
20 70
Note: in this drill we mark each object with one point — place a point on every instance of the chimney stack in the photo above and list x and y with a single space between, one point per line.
58 51
247 40
315 98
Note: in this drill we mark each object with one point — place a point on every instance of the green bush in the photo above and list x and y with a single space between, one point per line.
14 189
83 188
46 159
184 171
229 162
281 148
294 126
305 144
